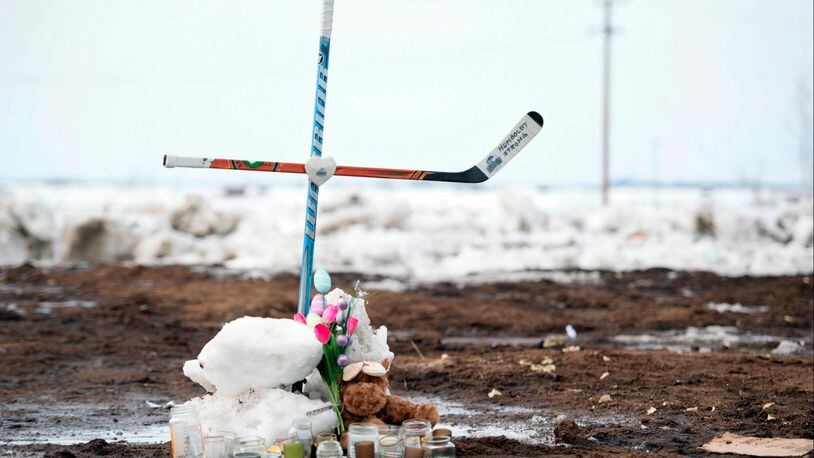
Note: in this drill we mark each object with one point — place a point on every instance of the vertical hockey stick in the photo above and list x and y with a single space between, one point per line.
307 265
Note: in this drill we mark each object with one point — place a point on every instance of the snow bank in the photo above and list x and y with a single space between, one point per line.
416 233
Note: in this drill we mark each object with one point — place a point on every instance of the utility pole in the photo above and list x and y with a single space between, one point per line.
805 149
607 31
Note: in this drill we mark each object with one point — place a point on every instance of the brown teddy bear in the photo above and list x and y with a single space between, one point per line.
366 398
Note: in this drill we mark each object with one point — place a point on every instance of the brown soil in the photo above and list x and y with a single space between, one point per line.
106 361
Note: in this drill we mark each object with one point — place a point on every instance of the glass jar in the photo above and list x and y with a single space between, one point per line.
292 447
329 448
249 444
321 437
390 440
416 432
229 437
362 432
301 427
275 451
215 447
390 454
185 432
439 447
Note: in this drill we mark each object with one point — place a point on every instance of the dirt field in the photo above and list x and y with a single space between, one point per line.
83 351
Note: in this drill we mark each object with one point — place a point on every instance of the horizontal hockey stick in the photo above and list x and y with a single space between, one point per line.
517 139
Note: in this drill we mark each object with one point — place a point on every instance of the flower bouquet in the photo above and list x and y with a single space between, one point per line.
333 326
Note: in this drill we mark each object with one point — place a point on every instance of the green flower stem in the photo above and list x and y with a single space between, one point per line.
334 390
330 372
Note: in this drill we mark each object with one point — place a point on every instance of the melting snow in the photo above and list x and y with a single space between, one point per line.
736 308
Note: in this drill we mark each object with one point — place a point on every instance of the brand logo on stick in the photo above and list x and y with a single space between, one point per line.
492 162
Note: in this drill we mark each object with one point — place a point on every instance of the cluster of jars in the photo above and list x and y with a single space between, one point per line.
188 440
413 439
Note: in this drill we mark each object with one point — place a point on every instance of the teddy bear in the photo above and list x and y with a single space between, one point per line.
366 397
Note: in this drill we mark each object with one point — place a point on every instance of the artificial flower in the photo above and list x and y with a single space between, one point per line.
329 314
313 319
342 360
322 281
352 322
323 333
342 303
317 304
342 340
299 318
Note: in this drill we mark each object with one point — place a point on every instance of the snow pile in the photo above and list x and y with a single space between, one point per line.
265 412
96 240
253 352
200 220
249 364
368 344
416 234
787 347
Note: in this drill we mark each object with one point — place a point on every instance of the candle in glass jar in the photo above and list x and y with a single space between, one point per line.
293 450
361 432
390 439
412 452
416 432
364 449
439 447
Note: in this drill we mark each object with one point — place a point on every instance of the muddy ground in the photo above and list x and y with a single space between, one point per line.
657 372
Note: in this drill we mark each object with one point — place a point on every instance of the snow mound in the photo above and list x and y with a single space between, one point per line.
245 364
194 371
265 412
97 240
198 219
368 344
788 347
253 352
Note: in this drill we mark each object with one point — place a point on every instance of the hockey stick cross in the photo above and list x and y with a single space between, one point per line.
319 169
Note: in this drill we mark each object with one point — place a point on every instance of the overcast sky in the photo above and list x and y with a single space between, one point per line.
702 89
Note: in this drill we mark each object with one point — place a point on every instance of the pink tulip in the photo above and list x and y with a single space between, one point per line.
317 304
329 314
299 318
352 322
323 333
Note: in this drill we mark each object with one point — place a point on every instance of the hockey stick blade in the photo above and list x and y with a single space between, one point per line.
517 139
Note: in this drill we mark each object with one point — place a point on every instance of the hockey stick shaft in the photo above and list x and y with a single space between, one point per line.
520 135
307 264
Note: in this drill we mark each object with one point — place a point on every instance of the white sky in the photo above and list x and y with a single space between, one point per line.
101 89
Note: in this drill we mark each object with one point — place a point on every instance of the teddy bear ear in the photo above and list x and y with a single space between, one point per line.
374 369
351 371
